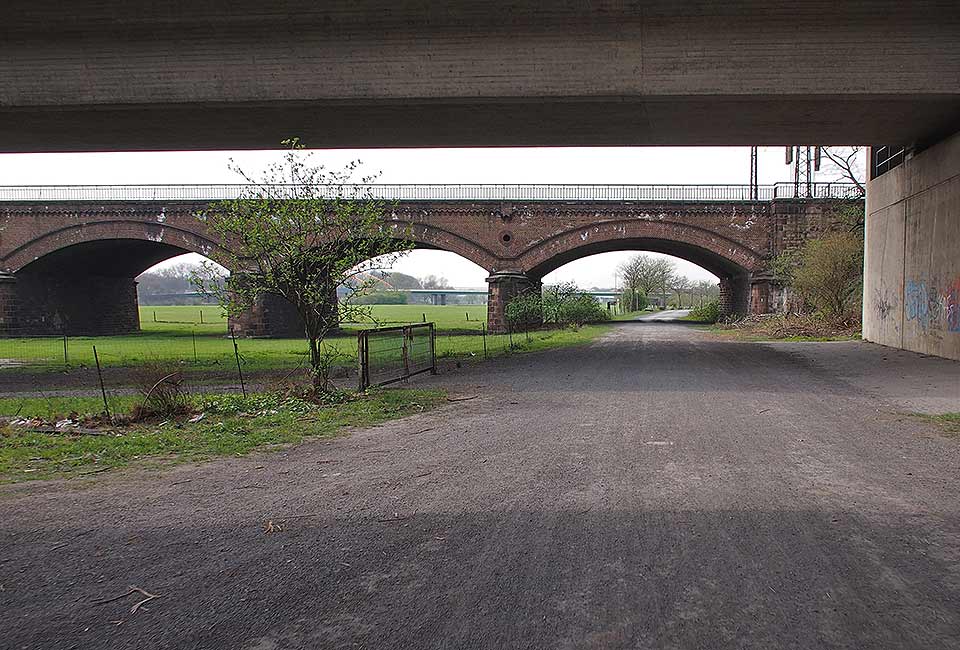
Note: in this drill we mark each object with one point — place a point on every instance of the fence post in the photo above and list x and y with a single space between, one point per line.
193 334
406 351
361 366
236 354
201 316
66 359
103 389
433 351
483 331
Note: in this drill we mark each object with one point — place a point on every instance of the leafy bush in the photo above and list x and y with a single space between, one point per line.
525 310
562 304
582 308
707 312
827 273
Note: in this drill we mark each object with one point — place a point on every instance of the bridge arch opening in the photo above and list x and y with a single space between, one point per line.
83 288
602 274
732 263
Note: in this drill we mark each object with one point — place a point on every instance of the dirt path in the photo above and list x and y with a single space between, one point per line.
656 489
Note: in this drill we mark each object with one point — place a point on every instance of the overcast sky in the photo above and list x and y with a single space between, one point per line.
632 165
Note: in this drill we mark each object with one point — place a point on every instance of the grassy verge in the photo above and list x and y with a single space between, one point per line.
467 346
231 425
949 422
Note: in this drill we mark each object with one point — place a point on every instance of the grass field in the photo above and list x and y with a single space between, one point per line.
175 334
231 425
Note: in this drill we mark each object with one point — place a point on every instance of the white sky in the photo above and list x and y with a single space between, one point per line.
629 165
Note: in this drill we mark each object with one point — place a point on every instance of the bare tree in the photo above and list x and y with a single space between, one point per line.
845 163
435 282
705 289
680 285
647 274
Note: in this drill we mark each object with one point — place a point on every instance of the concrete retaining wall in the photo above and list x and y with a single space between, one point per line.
912 262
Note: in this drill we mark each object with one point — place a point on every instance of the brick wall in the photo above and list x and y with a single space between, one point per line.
732 240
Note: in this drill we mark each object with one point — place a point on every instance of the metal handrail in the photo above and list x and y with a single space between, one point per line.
437 192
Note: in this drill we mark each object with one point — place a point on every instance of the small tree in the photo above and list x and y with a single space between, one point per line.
300 232
828 272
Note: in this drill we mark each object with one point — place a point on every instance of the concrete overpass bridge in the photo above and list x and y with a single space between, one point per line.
96 76
70 254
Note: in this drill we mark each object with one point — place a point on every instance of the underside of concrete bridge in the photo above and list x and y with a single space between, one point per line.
86 75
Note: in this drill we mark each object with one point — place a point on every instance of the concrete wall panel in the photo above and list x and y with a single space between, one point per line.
912 264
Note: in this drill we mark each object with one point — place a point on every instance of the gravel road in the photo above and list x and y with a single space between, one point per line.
656 489
665 315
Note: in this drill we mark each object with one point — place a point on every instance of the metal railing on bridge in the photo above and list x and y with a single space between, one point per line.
428 192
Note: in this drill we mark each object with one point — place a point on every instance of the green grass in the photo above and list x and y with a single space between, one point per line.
176 339
950 422
232 426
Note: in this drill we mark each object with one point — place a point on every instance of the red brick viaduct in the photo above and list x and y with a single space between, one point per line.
69 265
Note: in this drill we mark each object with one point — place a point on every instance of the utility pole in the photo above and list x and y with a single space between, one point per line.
806 162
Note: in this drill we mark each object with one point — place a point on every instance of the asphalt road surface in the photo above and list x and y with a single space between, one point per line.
665 315
656 489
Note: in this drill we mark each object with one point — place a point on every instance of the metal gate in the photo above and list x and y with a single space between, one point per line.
389 354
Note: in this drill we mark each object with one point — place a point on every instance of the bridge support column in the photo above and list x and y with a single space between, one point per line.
270 316
33 304
501 289
911 289
734 296
763 296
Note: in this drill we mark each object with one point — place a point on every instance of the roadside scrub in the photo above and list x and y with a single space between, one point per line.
63 437
787 327
948 422
706 313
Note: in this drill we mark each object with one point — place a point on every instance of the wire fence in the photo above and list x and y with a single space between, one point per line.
438 192
50 361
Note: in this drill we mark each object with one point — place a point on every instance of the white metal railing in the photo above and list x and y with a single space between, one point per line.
30 193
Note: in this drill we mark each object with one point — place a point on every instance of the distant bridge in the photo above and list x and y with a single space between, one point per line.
69 254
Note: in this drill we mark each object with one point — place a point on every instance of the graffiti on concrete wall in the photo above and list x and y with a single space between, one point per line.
952 299
884 302
933 307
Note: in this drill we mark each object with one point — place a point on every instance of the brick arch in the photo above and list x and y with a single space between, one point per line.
188 241
432 237
175 239
720 255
